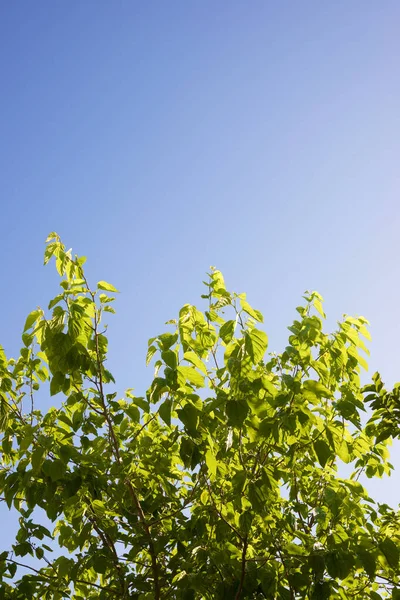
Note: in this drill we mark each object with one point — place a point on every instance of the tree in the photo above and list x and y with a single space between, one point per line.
221 482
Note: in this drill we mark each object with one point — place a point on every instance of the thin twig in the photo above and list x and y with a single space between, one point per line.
45 575
243 573
220 515
115 446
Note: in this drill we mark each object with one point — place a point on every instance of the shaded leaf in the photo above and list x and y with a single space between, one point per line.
323 451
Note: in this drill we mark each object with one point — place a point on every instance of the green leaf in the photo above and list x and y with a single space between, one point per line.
98 508
37 458
245 521
31 319
189 453
64 566
364 331
339 564
343 452
100 563
52 236
227 331
166 340
55 301
237 411
241 465
4 414
12 569
391 552
141 402
257 495
256 343
190 374
104 299
217 280
150 353
318 306
317 388
189 415
55 469
323 451
196 361
109 309
368 561
165 411
211 463
321 591
27 339
170 358
103 285
250 311
295 549
57 383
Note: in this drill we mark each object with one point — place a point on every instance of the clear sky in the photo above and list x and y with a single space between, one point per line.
159 138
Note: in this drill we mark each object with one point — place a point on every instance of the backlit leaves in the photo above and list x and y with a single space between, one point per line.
103 285
256 343
220 482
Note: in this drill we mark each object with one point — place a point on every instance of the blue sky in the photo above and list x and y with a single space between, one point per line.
160 138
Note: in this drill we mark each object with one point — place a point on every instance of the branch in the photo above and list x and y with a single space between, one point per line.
220 515
243 574
42 574
108 543
154 563
175 512
144 426
115 446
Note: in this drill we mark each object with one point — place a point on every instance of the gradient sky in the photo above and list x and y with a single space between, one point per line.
160 138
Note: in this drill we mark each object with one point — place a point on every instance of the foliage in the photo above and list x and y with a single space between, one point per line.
221 482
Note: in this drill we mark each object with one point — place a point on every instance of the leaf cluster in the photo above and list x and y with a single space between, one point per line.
222 481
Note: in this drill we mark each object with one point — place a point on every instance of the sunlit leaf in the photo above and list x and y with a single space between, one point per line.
256 343
107 287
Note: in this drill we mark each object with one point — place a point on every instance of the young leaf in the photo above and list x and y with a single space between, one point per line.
150 353
103 285
251 311
31 319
